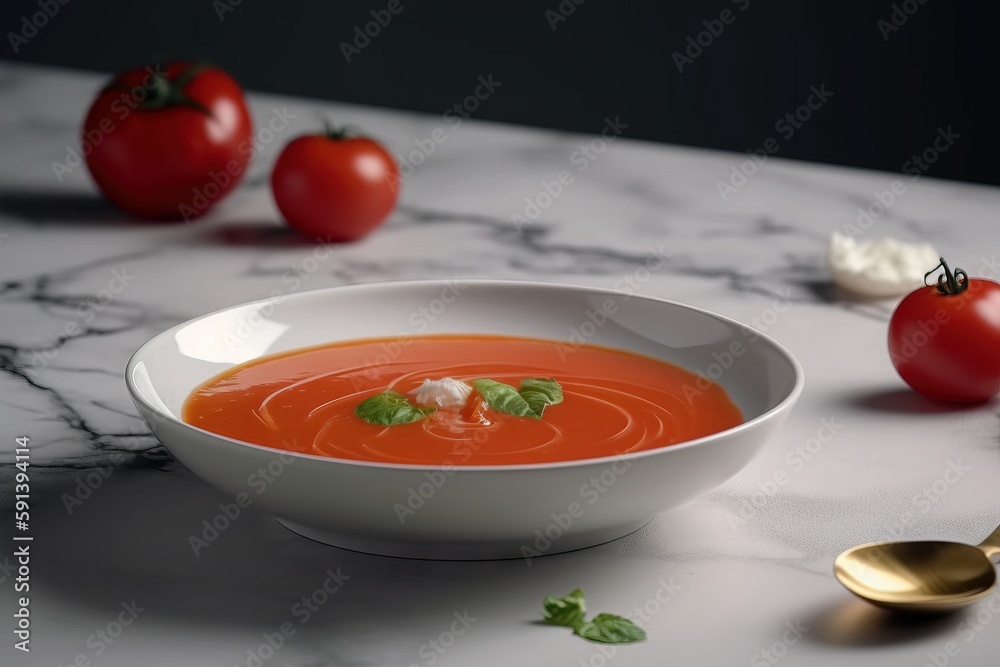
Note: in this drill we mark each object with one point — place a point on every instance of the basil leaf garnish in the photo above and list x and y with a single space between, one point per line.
530 401
568 611
389 409
539 392
610 629
571 611
504 398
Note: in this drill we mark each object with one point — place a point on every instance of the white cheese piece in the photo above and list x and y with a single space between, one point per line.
443 393
883 268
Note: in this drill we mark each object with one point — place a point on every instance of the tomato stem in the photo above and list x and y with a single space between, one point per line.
163 93
340 133
331 131
950 282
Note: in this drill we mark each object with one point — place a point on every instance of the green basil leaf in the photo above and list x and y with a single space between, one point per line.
530 401
539 392
389 409
568 611
504 398
610 629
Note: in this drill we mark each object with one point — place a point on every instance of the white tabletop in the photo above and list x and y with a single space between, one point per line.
748 565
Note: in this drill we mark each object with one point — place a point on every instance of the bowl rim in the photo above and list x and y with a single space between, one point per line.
786 403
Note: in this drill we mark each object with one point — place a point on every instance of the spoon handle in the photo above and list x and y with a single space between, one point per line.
991 545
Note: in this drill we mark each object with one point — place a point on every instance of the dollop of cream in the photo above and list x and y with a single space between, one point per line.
443 393
883 268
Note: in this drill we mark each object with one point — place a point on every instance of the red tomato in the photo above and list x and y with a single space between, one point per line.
335 187
944 340
170 141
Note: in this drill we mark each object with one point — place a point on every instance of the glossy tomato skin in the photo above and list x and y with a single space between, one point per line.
171 162
335 189
947 346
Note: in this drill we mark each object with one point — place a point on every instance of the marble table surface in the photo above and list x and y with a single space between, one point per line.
740 576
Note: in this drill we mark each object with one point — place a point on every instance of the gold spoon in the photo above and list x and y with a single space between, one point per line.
920 576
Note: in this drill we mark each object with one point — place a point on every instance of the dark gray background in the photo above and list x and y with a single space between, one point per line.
609 57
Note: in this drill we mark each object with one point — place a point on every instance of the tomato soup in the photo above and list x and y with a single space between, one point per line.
613 402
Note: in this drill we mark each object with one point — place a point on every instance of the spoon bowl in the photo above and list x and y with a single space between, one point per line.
930 577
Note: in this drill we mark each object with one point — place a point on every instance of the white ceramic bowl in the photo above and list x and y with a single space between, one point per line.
474 512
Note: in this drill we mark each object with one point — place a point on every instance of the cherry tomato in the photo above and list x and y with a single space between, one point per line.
944 339
335 187
168 141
